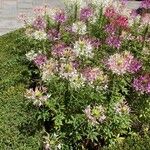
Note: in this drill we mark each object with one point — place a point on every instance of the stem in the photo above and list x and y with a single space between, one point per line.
145 34
75 15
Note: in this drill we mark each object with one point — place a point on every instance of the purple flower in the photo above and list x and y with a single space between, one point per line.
60 16
142 83
135 66
113 41
145 4
86 13
40 60
58 50
39 23
53 34
110 29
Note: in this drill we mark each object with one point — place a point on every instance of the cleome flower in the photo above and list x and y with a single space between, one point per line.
40 60
77 81
95 77
123 63
39 23
86 14
67 70
37 96
84 48
63 52
39 35
79 28
121 108
60 16
31 55
95 115
49 69
142 83
113 41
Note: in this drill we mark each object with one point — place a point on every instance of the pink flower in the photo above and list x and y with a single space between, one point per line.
110 12
86 13
121 21
58 50
123 63
53 34
113 41
40 59
39 23
142 83
145 4
60 16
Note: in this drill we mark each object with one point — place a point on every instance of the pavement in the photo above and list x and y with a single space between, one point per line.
9 10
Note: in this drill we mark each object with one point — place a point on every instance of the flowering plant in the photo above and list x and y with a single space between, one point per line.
91 58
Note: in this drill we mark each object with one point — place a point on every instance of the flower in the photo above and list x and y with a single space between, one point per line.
58 50
53 34
39 35
142 83
95 115
38 96
48 69
40 60
113 41
60 16
121 108
146 19
95 77
31 55
86 13
77 81
121 21
39 23
110 29
83 47
67 70
145 4
110 12
79 27
123 63
134 66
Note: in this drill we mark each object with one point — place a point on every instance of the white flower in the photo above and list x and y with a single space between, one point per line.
67 70
39 35
83 48
31 55
77 81
79 27
48 70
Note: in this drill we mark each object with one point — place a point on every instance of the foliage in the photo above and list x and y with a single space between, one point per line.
18 127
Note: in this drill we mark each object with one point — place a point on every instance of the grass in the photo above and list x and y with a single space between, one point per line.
17 123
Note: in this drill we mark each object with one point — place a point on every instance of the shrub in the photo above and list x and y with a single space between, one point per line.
91 73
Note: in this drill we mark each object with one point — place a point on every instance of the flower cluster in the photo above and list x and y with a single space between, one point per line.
87 55
38 96
121 108
142 83
123 63
96 114
95 77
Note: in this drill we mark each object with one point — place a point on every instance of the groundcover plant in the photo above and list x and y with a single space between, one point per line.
90 73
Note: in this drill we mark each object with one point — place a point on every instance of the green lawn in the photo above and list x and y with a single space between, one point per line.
17 124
